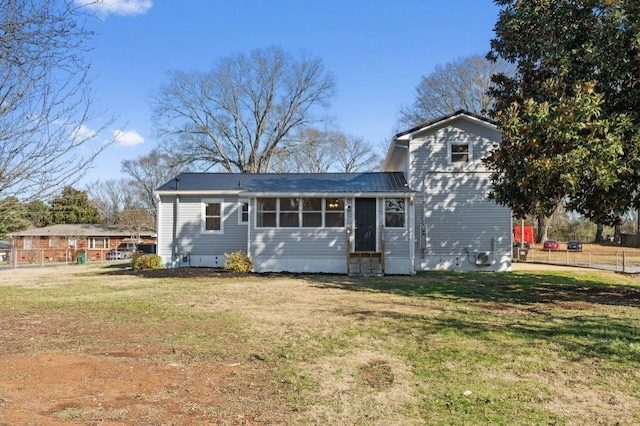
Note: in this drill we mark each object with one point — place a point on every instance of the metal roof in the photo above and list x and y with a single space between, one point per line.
294 183
81 231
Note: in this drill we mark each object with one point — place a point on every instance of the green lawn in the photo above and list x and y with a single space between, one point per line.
437 348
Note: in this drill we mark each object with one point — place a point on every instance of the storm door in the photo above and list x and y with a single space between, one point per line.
365 224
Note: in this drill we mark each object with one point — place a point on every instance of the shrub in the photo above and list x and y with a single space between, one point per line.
238 262
143 262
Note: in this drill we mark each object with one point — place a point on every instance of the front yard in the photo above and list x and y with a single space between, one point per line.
98 345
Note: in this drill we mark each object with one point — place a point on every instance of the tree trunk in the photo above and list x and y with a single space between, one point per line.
543 229
599 232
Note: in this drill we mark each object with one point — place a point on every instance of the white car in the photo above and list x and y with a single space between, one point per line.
119 254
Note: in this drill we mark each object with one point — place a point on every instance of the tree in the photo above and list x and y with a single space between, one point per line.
147 173
236 115
45 99
12 216
571 115
73 207
321 151
111 198
461 84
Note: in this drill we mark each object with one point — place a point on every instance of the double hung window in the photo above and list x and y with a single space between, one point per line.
394 212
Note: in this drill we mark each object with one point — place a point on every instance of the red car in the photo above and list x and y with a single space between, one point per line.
550 245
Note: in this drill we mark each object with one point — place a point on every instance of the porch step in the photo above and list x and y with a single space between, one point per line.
366 263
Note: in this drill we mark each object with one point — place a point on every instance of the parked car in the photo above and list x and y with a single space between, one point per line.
550 245
574 245
120 253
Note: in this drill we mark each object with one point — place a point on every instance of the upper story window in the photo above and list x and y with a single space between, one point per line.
394 212
212 216
459 152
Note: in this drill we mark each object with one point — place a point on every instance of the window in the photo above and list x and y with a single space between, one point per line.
243 212
291 212
460 152
312 212
394 212
212 216
289 217
334 212
98 243
72 242
27 243
53 241
266 214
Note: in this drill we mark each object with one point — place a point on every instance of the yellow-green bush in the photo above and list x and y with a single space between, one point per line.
145 262
238 261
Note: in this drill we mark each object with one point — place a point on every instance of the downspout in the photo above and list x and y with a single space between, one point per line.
158 221
249 221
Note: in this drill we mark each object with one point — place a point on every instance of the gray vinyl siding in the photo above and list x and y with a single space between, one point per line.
429 152
459 216
165 226
396 242
189 228
452 199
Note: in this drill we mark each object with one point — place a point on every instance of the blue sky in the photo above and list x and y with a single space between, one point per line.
377 51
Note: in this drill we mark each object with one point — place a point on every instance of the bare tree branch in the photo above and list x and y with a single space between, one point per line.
460 84
236 115
45 99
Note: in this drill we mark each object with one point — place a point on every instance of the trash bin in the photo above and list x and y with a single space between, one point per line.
520 254
82 258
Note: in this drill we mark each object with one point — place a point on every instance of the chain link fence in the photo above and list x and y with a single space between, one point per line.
19 258
619 260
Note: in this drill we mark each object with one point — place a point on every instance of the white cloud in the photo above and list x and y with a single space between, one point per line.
128 138
117 7
82 133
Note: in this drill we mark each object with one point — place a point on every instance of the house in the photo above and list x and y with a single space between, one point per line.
62 242
427 209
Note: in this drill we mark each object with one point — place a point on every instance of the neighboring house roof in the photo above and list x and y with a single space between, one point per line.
401 140
82 231
288 183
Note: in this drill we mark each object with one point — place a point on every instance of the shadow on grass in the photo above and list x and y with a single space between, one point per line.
562 310
526 288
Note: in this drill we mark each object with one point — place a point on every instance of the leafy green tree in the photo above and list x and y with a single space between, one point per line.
73 207
571 115
12 216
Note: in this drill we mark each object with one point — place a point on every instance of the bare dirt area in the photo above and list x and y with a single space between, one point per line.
61 370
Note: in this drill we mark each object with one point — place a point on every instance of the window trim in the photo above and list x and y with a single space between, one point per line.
203 215
450 152
91 243
241 204
404 213
301 211
326 210
291 212
308 212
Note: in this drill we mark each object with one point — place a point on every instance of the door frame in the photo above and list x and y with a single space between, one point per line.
374 222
